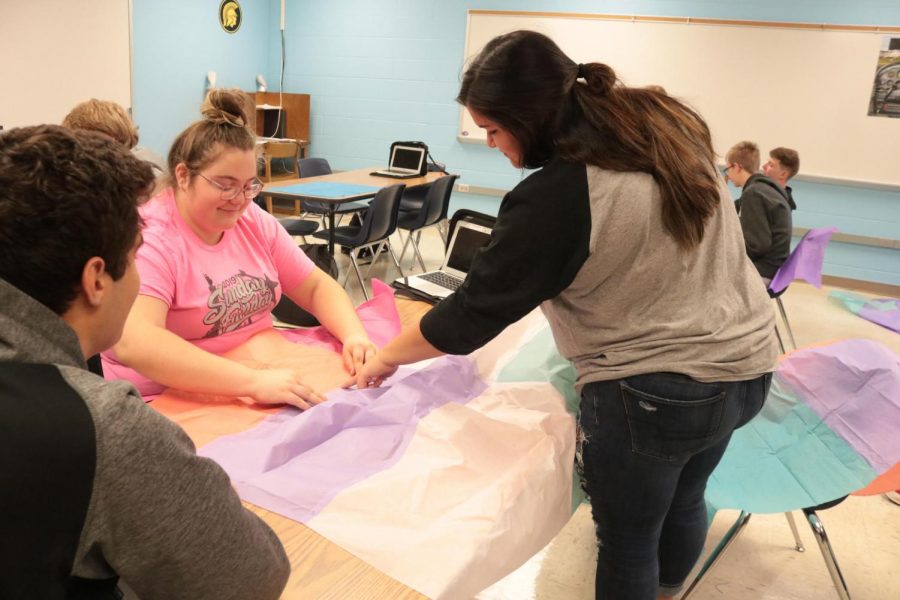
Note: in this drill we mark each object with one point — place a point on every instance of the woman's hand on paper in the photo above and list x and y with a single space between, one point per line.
284 386
358 350
372 374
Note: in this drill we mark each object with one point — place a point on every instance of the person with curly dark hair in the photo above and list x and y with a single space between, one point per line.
94 484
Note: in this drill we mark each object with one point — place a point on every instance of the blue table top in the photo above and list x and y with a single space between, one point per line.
325 189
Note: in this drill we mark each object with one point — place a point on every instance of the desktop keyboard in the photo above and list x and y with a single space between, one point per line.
443 279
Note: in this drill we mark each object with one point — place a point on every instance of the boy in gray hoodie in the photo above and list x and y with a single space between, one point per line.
764 209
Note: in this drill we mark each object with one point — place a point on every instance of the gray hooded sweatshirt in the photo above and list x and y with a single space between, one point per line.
95 484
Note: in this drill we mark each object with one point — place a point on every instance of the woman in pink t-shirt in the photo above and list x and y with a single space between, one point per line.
213 265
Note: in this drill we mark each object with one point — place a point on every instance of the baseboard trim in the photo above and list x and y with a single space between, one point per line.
870 287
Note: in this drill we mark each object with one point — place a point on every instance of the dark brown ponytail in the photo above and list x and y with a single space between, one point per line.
582 113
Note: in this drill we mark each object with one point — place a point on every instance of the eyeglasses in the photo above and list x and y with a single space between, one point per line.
250 191
725 170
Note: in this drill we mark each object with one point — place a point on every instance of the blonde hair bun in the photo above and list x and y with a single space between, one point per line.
225 107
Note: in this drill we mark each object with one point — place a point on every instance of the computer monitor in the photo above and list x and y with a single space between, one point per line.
274 122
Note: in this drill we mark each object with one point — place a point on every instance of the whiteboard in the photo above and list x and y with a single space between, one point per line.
57 54
803 88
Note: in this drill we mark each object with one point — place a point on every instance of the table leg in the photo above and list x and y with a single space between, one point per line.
331 210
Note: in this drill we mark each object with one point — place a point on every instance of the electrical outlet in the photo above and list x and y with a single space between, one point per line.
464 187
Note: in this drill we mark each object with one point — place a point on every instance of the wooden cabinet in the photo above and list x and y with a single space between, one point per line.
295 112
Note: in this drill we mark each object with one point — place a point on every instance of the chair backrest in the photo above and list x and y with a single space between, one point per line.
805 262
381 217
275 150
434 207
472 216
310 167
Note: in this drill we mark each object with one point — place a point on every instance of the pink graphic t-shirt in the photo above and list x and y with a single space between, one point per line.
218 296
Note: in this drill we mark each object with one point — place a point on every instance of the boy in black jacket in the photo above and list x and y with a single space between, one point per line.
764 210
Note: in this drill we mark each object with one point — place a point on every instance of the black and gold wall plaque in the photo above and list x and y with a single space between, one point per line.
230 15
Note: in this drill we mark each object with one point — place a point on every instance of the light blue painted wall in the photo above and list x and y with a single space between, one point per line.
859 211
384 70
174 44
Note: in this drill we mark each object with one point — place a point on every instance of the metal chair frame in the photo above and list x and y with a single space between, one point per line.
787 326
354 254
812 238
815 524
389 194
432 212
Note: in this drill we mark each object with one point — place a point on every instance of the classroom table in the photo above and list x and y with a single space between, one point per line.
322 569
338 188
319 567
416 488
490 445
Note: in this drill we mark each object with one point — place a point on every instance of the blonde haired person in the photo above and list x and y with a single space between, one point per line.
104 117
213 265
110 119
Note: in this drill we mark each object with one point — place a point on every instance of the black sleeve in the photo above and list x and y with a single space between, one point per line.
539 243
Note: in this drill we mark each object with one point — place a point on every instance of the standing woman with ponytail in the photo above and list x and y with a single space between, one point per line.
213 265
628 240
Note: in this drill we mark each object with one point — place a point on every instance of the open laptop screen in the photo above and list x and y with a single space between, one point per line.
467 241
407 157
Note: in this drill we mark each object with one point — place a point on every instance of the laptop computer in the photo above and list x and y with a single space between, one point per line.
406 162
467 240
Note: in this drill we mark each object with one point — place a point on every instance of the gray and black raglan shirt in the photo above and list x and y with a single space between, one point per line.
588 245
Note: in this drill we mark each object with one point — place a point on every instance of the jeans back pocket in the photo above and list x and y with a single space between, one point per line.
672 429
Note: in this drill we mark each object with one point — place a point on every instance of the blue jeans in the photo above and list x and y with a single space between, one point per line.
651 442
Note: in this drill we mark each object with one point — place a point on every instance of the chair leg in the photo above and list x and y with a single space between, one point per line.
375 256
415 246
798 545
359 278
396 262
828 554
719 551
780 342
347 272
786 323
405 244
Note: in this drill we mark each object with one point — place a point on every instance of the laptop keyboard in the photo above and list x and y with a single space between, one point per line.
394 173
443 279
